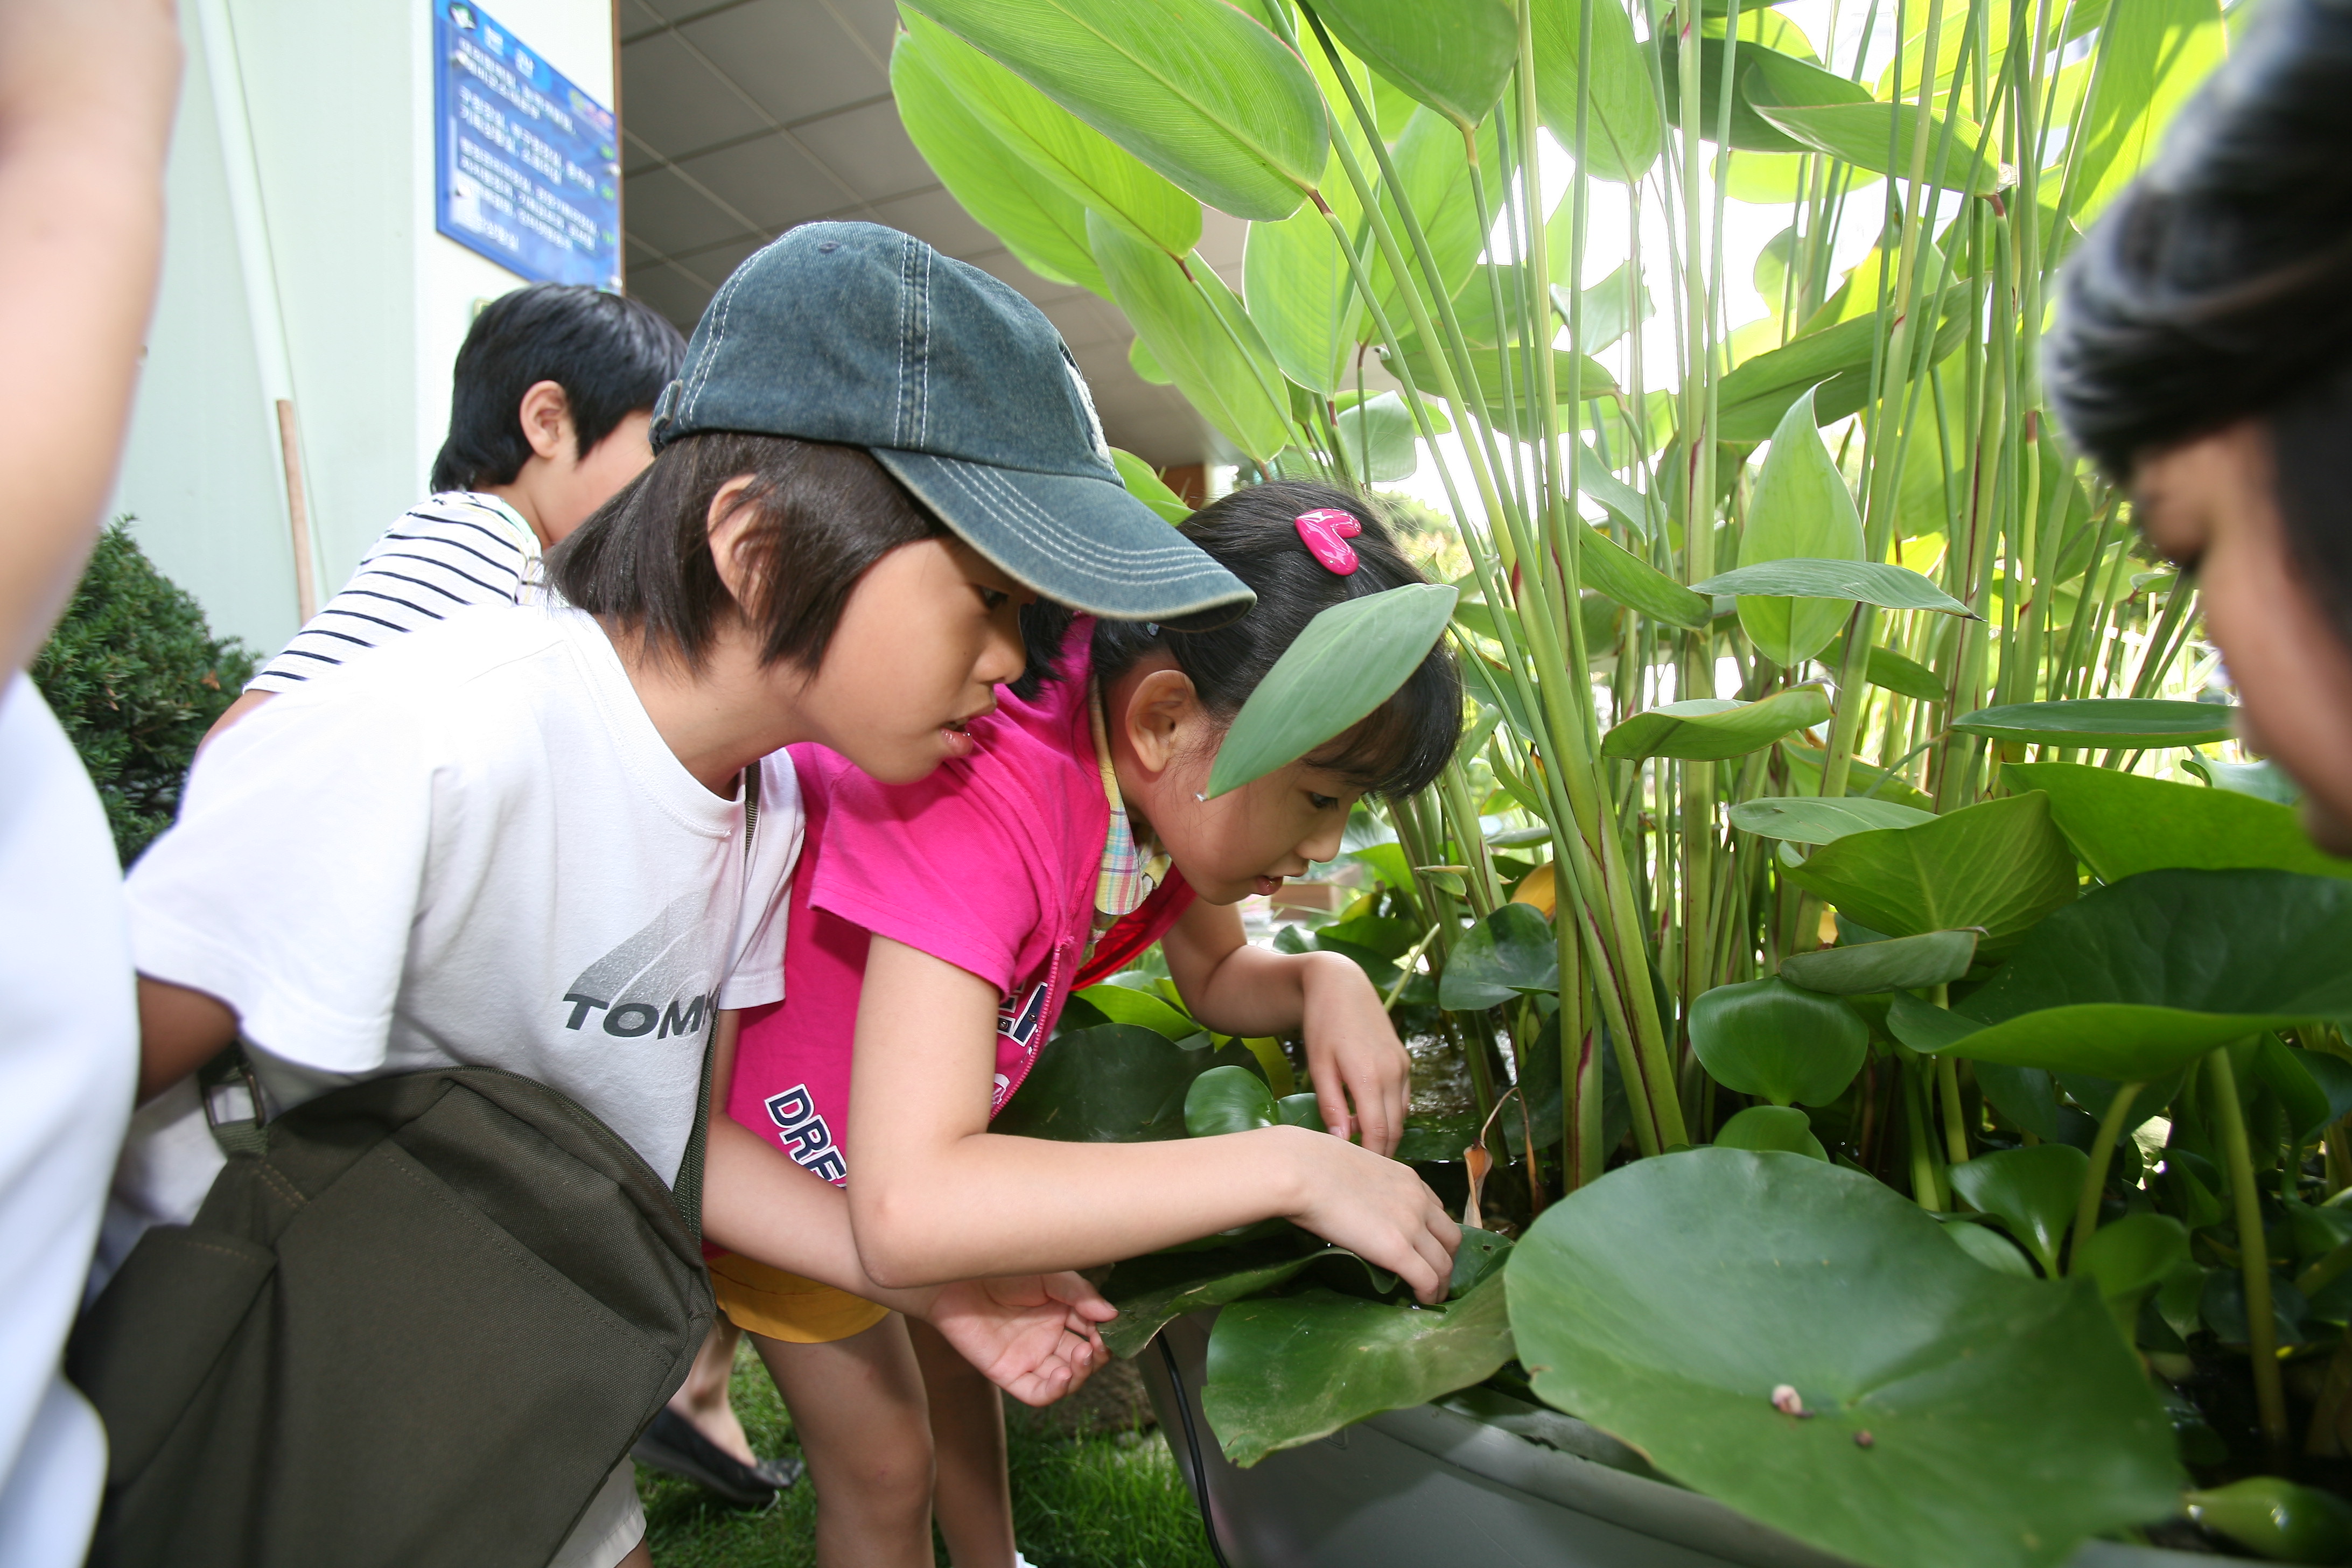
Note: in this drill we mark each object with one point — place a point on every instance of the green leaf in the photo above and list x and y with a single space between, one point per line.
1611 307
1766 77
1611 568
1884 667
1711 728
2121 824
1150 1292
1434 172
1038 221
2130 1258
1379 438
1227 1099
1772 1129
1979 1242
1630 506
1482 1252
1928 1030
1594 380
1864 781
2276 1518
1116 1083
1802 509
1125 1005
1058 148
2002 866
2032 1191
1192 87
1665 1302
1351 659
1859 134
1145 485
2144 976
1756 395
1508 955
1873 582
1200 336
2154 53
1767 1037
1902 963
1809 819
1290 1370
1624 132
1139 357
2131 722
2264 780
1299 1110
1301 291
1452 57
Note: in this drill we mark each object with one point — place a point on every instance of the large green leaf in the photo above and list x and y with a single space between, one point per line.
1064 152
1290 1370
1666 1302
2003 866
2144 976
1767 76
1711 728
1809 819
2032 1191
1859 134
1127 1004
1611 569
1933 958
1503 387
1227 1099
1623 129
1144 483
1873 582
1038 220
1864 781
2154 54
1379 439
1885 668
1802 509
1351 659
1116 1083
2124 722
1507 955
1780 1127
1452 57
1193 88
1200 336
2121 824
1770 1039
1151 1292
1301 287
1434 171
2264 780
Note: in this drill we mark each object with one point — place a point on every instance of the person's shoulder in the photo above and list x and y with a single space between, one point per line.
471 518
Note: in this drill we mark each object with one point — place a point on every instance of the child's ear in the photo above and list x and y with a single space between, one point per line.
1158 711
729 523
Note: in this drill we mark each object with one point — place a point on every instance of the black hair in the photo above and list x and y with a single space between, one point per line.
610 353
2218 287
826 514
1252 533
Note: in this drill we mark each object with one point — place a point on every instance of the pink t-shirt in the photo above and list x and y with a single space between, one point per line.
988 864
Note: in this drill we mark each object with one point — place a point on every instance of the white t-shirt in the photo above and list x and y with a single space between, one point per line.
68 1059
473 848
455 550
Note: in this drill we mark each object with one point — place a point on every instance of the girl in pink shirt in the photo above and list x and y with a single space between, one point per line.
975 902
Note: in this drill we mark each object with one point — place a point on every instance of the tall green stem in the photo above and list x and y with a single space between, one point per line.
2253 1251
2094 1180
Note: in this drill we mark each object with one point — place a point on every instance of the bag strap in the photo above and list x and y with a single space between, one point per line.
687 1191
238 1131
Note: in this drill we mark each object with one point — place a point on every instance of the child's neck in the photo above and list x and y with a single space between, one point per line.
718 719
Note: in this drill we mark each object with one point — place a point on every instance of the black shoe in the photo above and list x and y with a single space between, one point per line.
673 1444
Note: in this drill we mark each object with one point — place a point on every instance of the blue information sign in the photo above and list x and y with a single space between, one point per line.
526 166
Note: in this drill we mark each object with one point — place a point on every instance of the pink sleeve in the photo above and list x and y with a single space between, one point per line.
932 866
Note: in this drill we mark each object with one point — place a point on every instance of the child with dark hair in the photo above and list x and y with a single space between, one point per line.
527 841
555 391
936 930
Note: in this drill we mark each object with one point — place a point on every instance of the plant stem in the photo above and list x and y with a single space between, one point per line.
2253 1260
1926 1190
2094 1180
1956 1133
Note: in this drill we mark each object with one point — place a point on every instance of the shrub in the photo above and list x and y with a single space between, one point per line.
136 676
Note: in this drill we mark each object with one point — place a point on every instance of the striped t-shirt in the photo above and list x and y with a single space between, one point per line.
454 550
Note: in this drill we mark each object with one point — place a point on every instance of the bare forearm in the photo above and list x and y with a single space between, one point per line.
756 1203
987 1204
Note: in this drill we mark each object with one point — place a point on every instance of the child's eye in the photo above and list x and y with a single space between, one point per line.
994 599
1321 802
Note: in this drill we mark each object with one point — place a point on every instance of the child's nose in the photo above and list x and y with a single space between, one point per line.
1325 843
1004 656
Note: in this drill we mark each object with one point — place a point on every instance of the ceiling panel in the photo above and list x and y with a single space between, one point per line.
869 148
769 181
793 56
665 213
676 102
940 220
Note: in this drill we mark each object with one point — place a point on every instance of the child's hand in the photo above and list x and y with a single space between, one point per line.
1033 1336
1353 1053
1374 1208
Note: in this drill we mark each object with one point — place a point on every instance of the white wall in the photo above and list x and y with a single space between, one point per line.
368 300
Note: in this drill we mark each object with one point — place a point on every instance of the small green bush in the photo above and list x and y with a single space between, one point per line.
136 677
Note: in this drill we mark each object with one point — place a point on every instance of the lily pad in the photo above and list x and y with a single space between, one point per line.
1150 1292
2122 824
2132 723
1809 819
1712 729
2001 866
1770 1039
1667 1301
1227 1099
1779 1127
1287 1370
2130 1258
1982 1243
2031 1192
1114 1083
1934 957
1510 954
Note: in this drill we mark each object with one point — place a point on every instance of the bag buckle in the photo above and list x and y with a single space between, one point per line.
233 1108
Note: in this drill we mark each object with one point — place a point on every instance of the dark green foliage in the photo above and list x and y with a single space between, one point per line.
136 677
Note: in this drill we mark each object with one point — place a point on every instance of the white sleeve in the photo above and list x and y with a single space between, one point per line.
289 885
431 564
756 975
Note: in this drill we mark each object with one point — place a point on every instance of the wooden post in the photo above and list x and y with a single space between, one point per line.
298 510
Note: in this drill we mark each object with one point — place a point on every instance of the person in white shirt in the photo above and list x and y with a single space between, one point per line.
87 91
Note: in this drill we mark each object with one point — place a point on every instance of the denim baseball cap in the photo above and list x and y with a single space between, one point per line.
858 334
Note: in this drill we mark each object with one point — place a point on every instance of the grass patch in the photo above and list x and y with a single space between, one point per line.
1109 1500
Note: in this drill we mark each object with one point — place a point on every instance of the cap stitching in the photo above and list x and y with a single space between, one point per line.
923 357
899 384
725 304
1055 546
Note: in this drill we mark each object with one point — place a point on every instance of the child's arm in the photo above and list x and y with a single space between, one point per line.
937 1196
1034 1337
1352 1050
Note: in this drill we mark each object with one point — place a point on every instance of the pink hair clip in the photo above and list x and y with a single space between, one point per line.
1326 533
